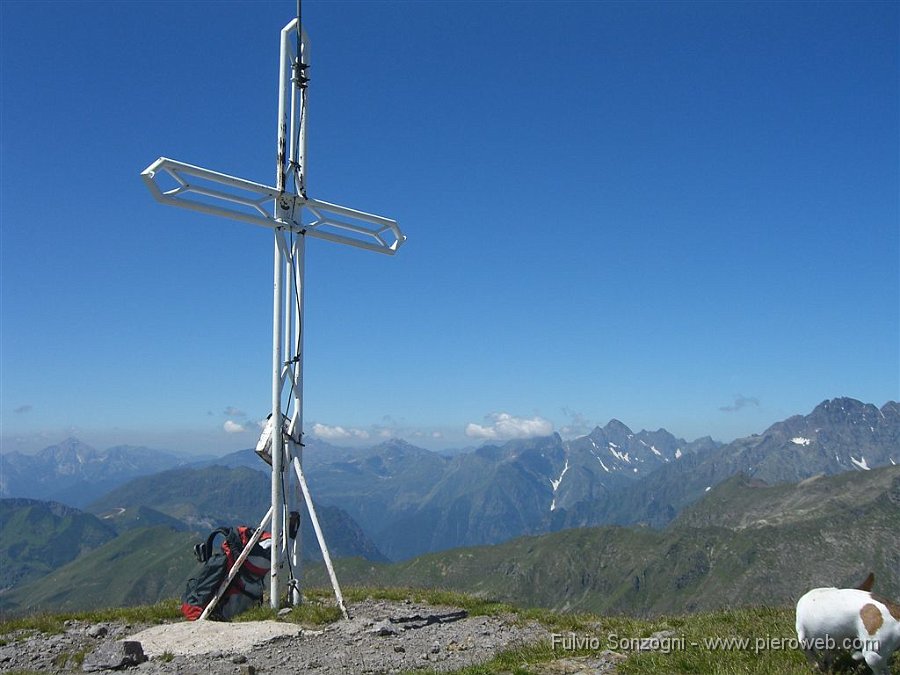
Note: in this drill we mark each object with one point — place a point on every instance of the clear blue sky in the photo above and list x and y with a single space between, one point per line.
680 215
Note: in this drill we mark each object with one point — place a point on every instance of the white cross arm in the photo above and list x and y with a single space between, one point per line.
218 194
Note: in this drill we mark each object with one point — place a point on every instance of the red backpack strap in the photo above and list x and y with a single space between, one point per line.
231 555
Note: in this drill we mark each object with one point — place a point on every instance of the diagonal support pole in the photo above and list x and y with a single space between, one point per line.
321 537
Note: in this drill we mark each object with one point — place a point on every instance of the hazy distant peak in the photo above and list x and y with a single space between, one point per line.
69 446
842 404
891 410
614 426
614 429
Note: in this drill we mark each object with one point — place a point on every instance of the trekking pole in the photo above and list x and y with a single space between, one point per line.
232 573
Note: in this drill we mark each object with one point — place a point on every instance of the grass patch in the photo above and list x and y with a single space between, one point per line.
166 610
473 604
753 641
70 661
559 623
317 609
51 624
512 662
78 659
260 613
61 659
315 614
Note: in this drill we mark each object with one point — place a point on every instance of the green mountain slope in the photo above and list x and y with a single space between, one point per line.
742 502
124 519
36 537
684 568
138 567
203 498
215 496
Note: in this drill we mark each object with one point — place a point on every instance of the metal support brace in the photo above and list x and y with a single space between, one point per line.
321 537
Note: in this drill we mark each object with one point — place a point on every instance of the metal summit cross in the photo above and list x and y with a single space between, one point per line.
292 216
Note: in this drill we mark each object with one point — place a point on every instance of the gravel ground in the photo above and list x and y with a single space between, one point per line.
382 637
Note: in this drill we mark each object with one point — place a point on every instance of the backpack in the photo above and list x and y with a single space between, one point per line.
245 590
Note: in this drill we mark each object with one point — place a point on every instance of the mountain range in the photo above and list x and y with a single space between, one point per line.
411 501
838 435
73 472
398 501
744 543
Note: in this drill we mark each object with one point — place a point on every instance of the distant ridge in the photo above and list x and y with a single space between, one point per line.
735 547
839 435
610 476
406 501
205 498
74 472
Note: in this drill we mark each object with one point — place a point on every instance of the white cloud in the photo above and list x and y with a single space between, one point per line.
504 426
577 424
336 433
741 402
232 427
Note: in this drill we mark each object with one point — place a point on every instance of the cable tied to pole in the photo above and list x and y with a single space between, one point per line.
297 354
300 80
300 67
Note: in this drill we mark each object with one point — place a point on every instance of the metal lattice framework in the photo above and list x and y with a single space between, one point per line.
219 194
286 210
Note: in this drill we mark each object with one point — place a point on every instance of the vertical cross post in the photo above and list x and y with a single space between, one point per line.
283 169
287 210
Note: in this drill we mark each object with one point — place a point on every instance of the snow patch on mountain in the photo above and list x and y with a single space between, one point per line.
861 462
555 484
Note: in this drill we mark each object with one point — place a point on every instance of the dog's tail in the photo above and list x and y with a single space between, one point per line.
868 583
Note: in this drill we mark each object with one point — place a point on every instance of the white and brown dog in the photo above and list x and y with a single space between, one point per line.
854 619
